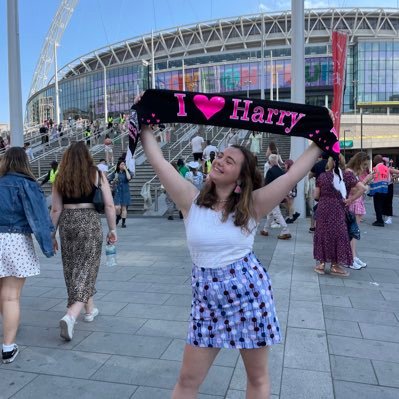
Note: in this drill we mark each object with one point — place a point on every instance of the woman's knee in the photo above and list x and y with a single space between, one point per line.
258 378
189 380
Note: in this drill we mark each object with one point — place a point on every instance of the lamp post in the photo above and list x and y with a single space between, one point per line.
56 88
354 95
361 129
345 142
105 96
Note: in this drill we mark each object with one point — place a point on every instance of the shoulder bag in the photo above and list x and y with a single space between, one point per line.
98 200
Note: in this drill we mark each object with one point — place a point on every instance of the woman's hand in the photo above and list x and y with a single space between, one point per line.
55 245
112 237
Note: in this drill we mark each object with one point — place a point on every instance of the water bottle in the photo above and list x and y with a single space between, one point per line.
110 252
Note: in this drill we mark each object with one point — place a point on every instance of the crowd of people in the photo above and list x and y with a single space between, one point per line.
223 197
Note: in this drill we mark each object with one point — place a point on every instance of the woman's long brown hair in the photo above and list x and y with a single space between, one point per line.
76 173
239 204
15 160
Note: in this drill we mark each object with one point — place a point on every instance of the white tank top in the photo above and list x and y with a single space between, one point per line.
213 243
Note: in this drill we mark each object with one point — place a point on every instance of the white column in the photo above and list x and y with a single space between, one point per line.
271 76
298 144
14 75
105 98
262 60
277 87
57 95
184 75
152 61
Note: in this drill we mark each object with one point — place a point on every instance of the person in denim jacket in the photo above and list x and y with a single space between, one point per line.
23 212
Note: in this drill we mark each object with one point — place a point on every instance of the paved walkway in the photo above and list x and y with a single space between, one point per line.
341 335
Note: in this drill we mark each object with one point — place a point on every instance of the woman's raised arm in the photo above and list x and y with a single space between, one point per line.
268 197
180 190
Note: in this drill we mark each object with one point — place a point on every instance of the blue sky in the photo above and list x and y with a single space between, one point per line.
96 23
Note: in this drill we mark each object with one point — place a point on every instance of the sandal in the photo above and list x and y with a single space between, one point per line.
319 269
338 271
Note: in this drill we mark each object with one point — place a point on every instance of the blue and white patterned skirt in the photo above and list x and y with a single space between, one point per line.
233 307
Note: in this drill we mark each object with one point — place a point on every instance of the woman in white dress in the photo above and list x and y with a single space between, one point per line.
23 212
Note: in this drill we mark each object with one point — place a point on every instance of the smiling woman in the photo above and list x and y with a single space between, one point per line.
232 300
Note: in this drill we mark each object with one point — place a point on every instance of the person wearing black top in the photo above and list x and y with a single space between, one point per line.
272 174
319 167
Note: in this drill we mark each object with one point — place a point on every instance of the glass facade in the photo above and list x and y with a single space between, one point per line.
371 74
84 95
369 77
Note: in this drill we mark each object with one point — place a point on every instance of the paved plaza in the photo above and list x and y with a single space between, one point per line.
341 336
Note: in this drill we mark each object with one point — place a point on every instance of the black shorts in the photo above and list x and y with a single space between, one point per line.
197 156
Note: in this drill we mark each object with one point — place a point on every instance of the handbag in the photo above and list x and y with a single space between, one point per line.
353 228
98 200
378 187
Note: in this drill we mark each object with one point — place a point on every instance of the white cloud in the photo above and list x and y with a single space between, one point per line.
320 4
263 8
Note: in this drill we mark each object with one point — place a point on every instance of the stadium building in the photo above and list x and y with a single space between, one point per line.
225 56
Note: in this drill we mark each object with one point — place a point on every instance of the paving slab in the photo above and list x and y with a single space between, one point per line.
305 384
353 369
306 349
387 373
49 387
352 390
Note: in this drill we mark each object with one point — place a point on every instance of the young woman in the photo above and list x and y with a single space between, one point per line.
80 230
255 138
23 212
108 149
331 239
121 179
232 304
358 164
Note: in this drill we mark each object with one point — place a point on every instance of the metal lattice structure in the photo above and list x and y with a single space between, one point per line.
241 33
54 35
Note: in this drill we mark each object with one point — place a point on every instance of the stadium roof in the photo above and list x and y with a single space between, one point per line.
238 33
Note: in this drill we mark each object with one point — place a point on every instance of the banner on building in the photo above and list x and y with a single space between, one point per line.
339 46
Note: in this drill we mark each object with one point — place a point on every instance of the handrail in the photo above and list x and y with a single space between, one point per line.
93 150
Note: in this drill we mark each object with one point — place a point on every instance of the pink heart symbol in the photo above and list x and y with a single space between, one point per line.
209 107
148 120
153 115
158 120
336 147
317 131
327 148
310 135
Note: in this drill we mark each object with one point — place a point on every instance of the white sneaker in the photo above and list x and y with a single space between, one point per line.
275 225
355 266
89 317
360 262
388 220
66 326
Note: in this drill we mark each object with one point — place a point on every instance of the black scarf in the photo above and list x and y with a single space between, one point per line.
288 119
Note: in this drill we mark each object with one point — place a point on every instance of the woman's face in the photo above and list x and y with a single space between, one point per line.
365 165
226 168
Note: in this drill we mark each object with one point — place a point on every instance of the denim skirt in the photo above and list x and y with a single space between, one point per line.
233 307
